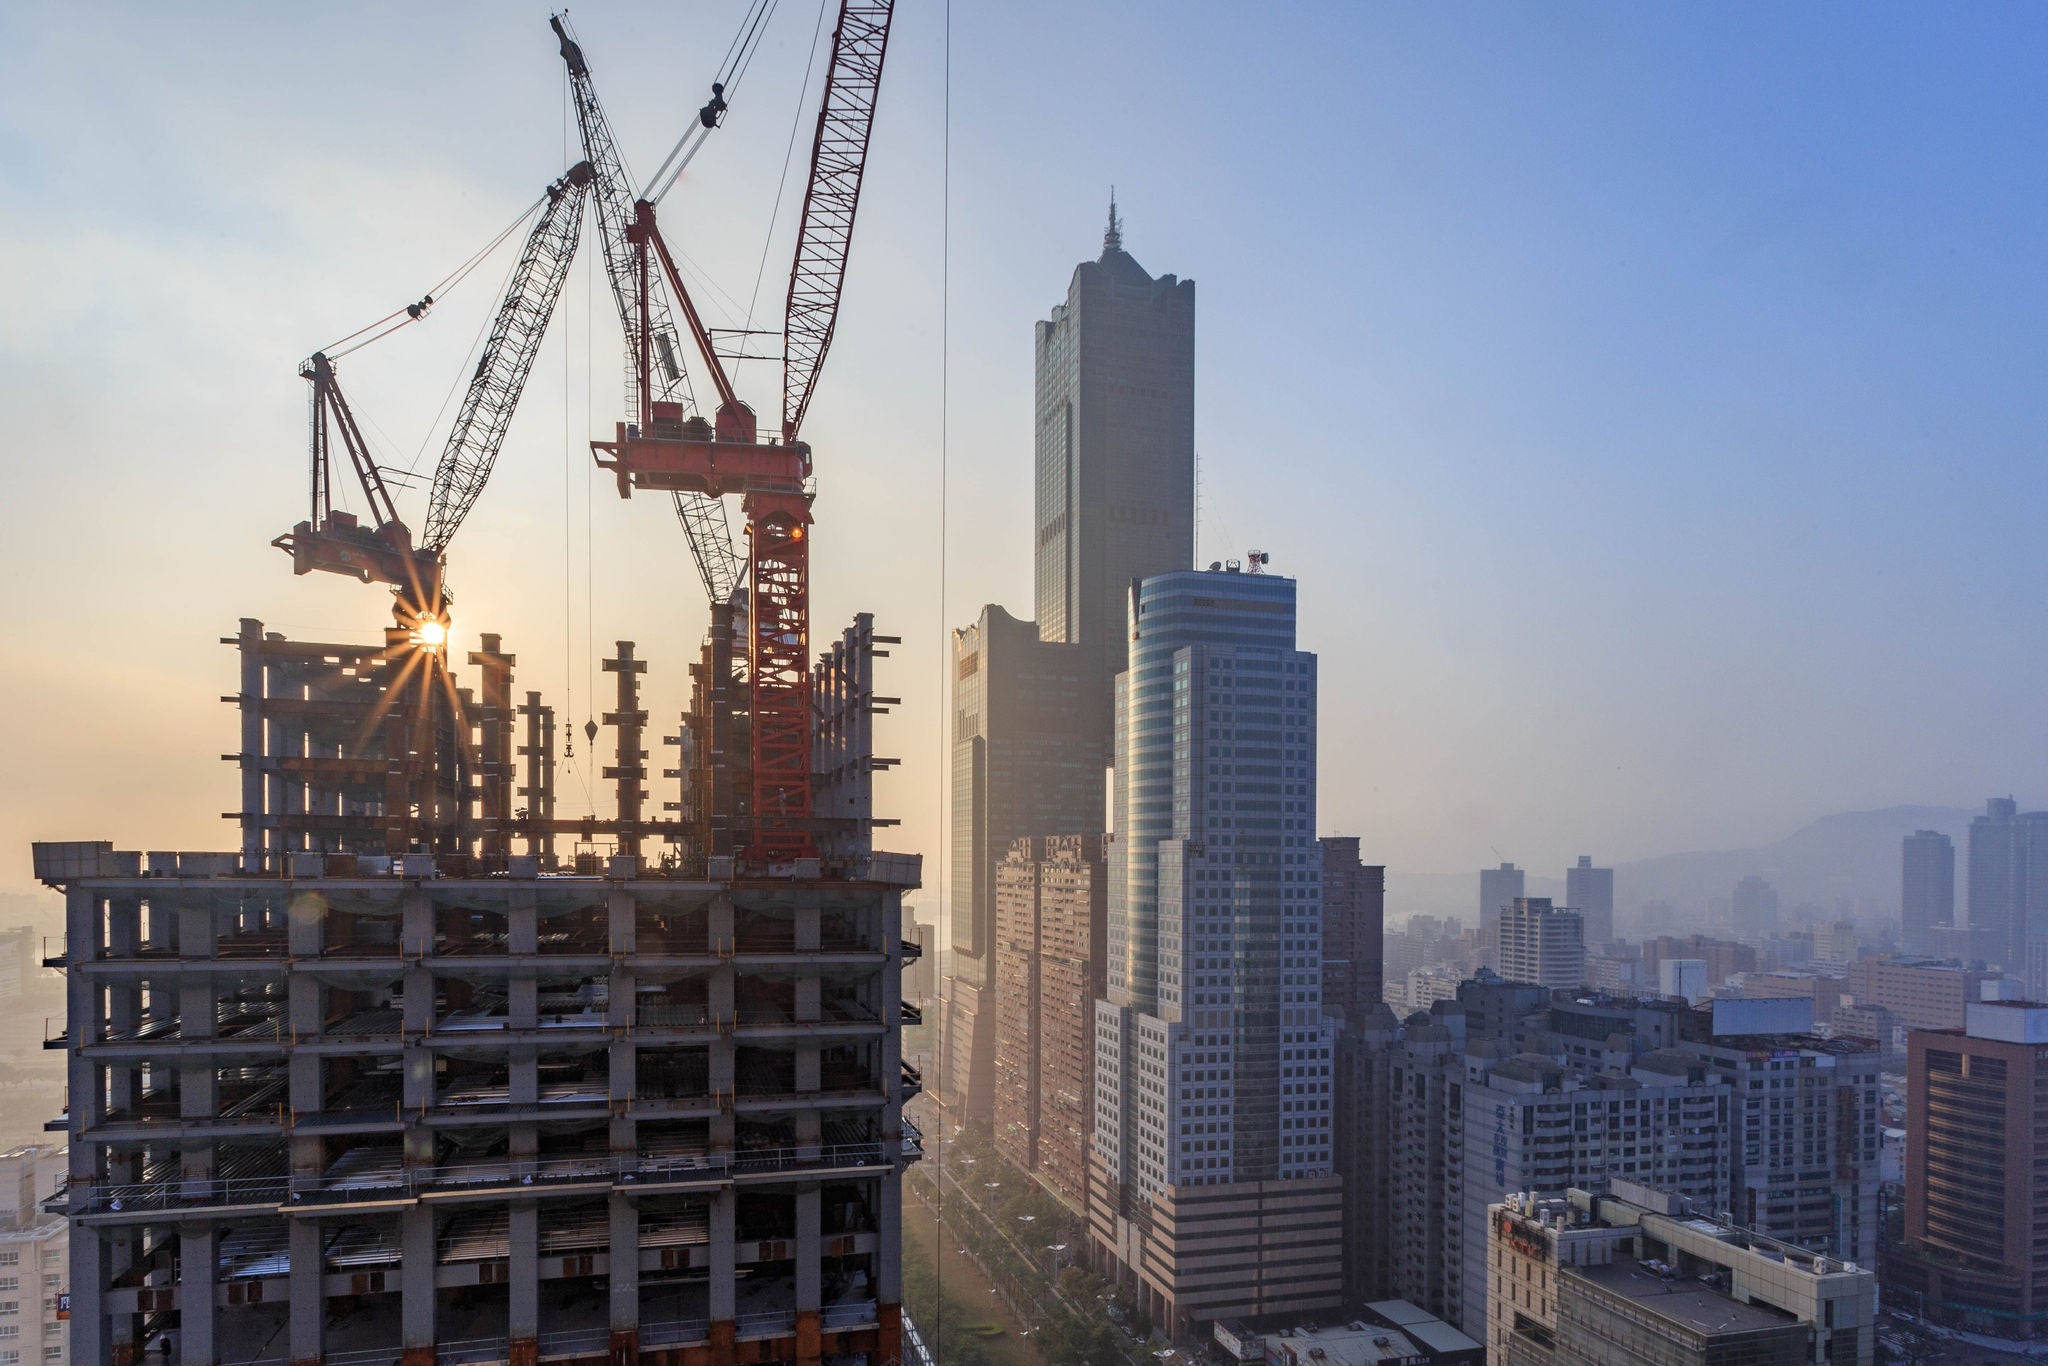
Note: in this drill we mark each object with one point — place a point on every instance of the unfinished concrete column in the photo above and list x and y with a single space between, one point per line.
416 1284
250 760
724 1264
810 1257
630 721
539 791
523 1284
494 724
308 1309
416 940
89 1340
622 915
718 995
198 1314
625 1278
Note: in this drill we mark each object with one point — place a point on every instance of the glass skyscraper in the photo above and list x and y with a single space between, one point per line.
1213 1059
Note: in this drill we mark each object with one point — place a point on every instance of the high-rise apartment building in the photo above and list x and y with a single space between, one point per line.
1927 888
1024 764
1975 1251
1115 458
1531 1123
1753 907
1804 1156
1211 1181
1543 944
1050 904
1354 929
1499 888
1590 892
35 1270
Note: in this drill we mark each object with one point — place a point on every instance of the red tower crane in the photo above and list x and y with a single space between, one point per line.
663 447
337 541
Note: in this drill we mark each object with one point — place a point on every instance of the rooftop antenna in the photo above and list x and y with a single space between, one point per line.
1113 238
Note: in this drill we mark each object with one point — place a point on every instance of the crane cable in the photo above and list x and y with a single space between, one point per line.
724 86
413 312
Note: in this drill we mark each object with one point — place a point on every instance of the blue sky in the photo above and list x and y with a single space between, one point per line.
1647 397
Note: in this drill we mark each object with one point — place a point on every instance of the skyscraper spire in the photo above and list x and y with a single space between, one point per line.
1113 238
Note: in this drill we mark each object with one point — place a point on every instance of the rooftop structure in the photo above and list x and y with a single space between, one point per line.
1638 1276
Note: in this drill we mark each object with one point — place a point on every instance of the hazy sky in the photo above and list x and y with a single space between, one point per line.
1649 398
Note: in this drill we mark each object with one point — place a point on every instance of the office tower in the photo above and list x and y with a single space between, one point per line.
1115 459
1996 873
1754 908
1976 1241
1211 1180
1499 888
1806 1126
1531 1123
1354 929
34 1259
1590 892
1927 892
1365 1150
1023 764
1542 944
1639 1275
1051 896
360 1108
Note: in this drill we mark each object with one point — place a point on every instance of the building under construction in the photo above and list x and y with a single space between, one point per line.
482 1102
424 1070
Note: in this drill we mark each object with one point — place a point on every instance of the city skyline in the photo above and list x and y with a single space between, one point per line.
1712 197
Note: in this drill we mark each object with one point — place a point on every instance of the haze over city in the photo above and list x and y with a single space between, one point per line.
1646 404
1059 685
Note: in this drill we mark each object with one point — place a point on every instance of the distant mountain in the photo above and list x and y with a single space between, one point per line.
1854 854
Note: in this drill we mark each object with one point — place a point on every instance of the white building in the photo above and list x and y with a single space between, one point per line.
34 1259
1542 943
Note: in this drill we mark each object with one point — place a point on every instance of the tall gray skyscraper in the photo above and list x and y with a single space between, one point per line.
1927 890
1590 892
1034 705
1997 872
1115 452
1499 888
1211 1179
1754 907
1024 765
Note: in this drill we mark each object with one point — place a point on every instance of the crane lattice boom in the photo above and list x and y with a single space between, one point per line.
839 155
654 369
507 360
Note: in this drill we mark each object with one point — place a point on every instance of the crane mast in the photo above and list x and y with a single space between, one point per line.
654 370
664 452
